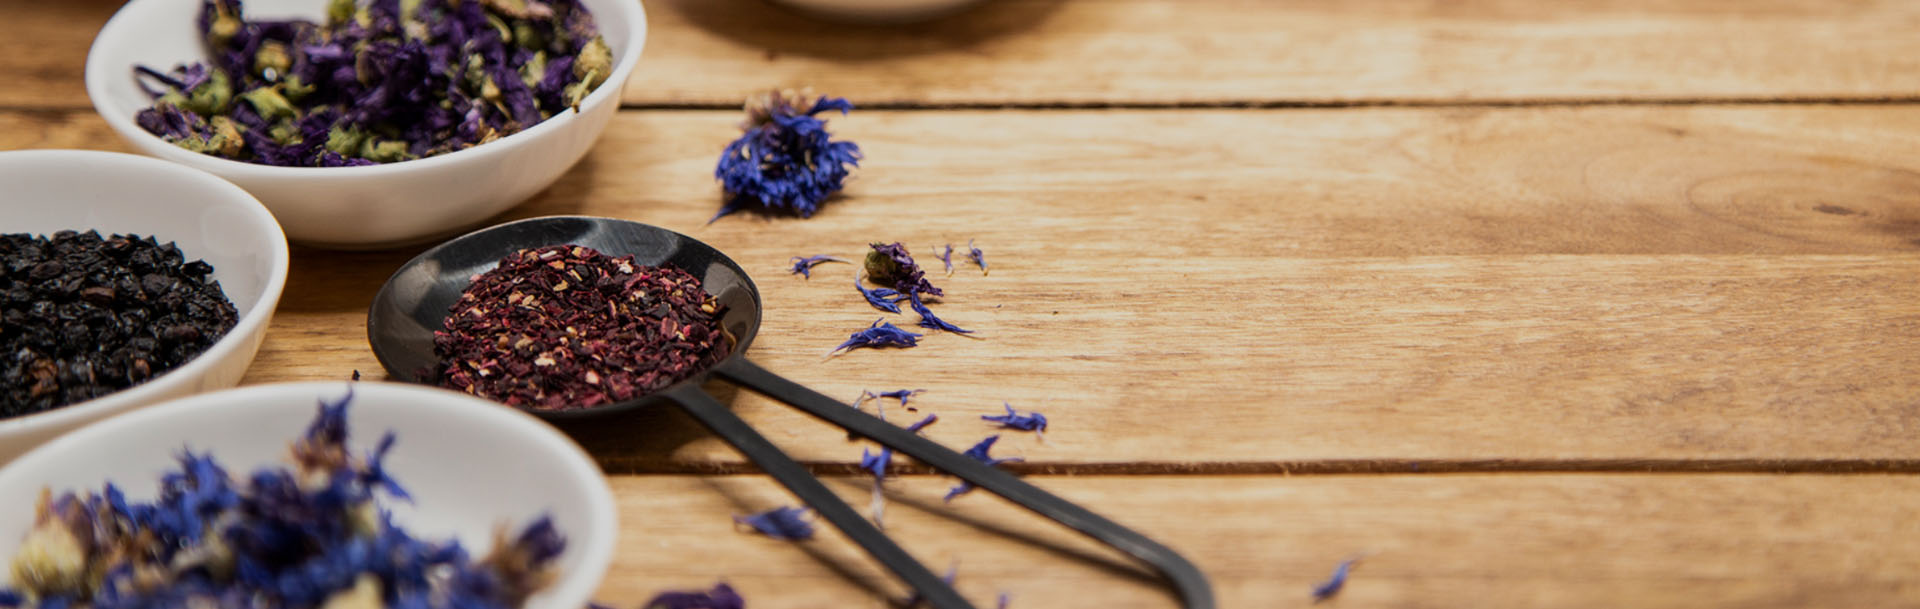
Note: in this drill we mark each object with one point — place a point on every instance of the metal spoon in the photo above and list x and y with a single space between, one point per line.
414 302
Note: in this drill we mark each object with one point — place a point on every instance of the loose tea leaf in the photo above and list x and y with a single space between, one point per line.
565 326
379 81
785 162
82 316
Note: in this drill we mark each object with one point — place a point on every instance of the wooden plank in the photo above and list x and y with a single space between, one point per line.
1377 289
714 52
1560 541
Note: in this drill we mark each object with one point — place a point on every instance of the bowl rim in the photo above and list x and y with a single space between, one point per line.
244 329
123 26
597 544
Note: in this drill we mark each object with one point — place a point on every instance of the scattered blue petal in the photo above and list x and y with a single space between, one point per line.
928 320
9 598
881 298
1002 601
878 335
1325 590
787 523
721 596
804 266
979 452
901 394
1032 421
946 257
785 163
978 257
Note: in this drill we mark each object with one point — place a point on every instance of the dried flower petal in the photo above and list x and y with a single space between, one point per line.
721 596
946 258
788 523
901 394
785 162
804 266
928 320
978 257
878 335
881 298
1033 421
1325 590
979 452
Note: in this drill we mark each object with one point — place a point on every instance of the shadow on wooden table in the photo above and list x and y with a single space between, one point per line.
643 440
762 25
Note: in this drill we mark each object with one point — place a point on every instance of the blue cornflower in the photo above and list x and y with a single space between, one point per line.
785 162
804 266
979 452
1033 421
889 264
946 257
978 257
928 320
1326 589
721 596
881 298
878 335
788 523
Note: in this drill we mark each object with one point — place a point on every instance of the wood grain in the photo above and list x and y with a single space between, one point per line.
1366 289
1536 541
1129 52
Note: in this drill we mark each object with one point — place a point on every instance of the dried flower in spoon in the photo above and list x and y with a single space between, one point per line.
785 162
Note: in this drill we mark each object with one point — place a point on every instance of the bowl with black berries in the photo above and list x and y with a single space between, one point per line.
365 124
124 281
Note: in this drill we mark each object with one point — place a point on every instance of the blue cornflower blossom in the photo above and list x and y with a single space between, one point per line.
1326 589
979 452
788 523
803 266
785 162
878 335
889 264
1033 421
721 596
881 298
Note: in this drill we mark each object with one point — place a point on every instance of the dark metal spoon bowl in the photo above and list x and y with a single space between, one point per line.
415 300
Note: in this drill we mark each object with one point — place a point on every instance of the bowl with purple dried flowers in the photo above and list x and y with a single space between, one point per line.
368 123
303 496
124 281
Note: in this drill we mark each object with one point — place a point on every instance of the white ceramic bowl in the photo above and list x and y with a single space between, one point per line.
470 465
361 207
879 11
53 190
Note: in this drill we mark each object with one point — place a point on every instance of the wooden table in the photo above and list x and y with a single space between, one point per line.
1537 304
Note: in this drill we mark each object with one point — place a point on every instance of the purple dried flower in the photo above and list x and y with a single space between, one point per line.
804 266
721 596
785 162
979 452
1002 601
928 320
978 257
878 335
1325 590
787 523
877 465
1033 421
946 257
889 264
881 298
901 394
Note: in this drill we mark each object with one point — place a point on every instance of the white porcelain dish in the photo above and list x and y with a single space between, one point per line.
470 465
53 190
360 207
879 11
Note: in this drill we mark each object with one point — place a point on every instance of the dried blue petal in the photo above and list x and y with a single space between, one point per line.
1032 421
787 523
803 266
881 298
878 335
1325 590
721 596
946 258
978 257
785 162
1002 601
979 452
889 264
928 320
900 394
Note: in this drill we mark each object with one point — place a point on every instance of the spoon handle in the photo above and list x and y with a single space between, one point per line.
1195 592
717 418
